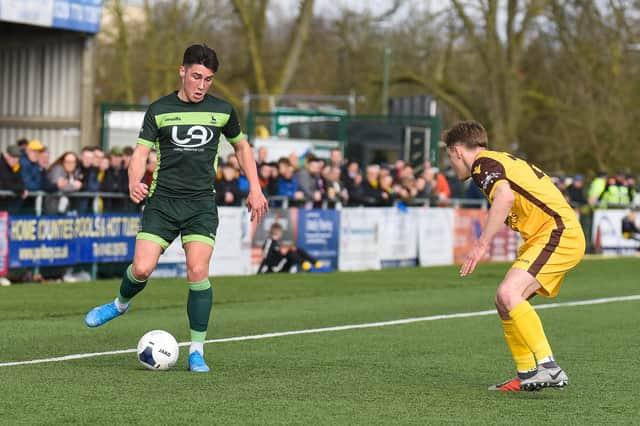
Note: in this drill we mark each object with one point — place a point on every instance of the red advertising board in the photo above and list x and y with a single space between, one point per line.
468 225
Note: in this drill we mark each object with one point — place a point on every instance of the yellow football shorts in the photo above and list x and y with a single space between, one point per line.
549 256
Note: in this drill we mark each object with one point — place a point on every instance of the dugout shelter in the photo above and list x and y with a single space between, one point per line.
410 131
364 138
47 72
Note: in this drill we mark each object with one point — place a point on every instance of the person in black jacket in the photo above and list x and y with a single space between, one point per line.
44 161
11 180
357 195
630 230
112 182
373 194
227 187
577 196
89 176
278 258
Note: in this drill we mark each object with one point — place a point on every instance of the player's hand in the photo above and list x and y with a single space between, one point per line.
257 205
475 255
138 191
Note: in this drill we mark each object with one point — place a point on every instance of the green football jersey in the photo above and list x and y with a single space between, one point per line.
186 138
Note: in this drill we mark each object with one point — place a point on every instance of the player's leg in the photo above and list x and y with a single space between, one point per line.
542 266
522 355
134 280
199 224
200 300
158 229
513 294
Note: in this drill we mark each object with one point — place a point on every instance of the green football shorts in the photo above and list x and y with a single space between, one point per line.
164 218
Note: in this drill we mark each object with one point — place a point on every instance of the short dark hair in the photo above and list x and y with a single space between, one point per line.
275 226
284 160
201 54
469 133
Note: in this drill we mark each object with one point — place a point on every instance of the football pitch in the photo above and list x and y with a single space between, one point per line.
348 359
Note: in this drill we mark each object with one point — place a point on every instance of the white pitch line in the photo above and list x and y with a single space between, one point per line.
328 329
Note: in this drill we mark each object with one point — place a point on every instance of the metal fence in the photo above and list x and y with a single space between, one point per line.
274 201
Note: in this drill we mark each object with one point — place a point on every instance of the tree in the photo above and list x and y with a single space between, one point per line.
118 53
555 81
148 40
584 92
500 52
253 15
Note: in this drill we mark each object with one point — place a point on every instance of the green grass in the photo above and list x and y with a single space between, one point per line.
432 372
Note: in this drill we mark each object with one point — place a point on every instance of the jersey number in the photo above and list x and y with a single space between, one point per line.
539 173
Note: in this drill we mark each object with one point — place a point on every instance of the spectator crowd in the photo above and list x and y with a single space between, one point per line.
309 182
314 182
26 168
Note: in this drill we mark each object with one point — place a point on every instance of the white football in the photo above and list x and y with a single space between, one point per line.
158 350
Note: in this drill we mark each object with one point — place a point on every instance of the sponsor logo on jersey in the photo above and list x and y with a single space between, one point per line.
488 179
176 118
477 170
512 221
196 136
213 119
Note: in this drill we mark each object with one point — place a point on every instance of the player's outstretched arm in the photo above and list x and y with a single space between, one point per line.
256 202
138 190
500 207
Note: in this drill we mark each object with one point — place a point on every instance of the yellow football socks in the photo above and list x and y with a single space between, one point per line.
522 355
528 324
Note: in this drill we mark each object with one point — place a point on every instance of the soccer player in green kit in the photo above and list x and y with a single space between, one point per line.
184 129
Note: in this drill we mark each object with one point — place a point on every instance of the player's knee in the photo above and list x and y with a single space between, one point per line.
503 297
141 272
197 272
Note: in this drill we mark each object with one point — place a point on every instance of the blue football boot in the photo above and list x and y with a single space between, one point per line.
103 313
196 363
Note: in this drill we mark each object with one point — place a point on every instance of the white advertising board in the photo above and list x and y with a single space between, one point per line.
398 236
435 236
607 233
231 255
359 239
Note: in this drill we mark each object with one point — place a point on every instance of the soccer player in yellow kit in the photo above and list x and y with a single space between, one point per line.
525 198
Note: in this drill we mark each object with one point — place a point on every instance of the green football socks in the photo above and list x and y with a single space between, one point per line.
198 309
129 287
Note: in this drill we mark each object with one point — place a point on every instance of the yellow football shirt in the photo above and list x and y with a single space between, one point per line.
539 206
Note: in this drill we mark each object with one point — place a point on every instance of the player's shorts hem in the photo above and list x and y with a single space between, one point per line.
153 238
550 283
198 238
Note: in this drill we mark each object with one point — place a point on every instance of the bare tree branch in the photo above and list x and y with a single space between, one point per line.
252 44
471 31
298 39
